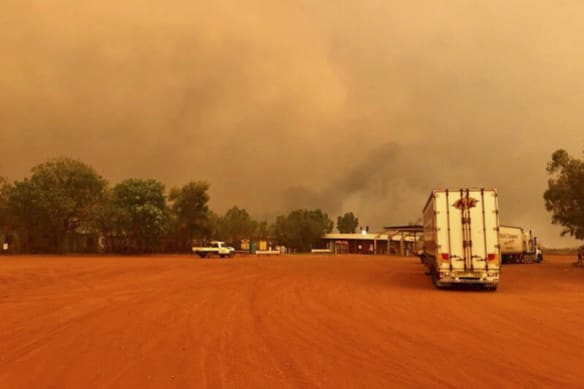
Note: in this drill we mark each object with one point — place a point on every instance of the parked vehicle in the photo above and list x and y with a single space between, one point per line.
518 245
461 240
215 248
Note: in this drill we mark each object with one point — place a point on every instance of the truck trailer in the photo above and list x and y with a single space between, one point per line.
518 245
461 237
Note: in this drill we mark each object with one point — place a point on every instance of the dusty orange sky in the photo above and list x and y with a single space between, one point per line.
360 106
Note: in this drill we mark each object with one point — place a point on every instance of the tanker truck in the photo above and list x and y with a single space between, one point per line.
461 240
518 245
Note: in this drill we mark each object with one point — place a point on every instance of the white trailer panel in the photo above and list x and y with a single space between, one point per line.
461 239
511 240
518 245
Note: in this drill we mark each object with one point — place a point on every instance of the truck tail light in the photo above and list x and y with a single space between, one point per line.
491 257
445 256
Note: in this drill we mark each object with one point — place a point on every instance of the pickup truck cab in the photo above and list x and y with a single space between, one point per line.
215 248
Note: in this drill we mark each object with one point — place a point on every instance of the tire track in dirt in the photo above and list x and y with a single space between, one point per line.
290 322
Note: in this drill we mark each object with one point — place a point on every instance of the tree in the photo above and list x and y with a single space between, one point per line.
263 231
4 215
282 232
60 196
236 225
190 209
347 223
3 202
302 229
143 213
564 197
30 221
107 220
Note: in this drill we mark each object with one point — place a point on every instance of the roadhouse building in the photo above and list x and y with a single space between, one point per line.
395 240
363 243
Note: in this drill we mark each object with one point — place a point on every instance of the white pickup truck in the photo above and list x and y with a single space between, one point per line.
215 248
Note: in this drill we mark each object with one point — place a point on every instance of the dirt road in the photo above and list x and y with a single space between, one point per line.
287 322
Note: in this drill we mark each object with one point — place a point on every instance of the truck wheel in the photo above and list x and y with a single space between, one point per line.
491 288
202 255
540 258
222 255
435 280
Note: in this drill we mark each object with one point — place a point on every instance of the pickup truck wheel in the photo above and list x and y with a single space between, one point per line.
222 255
202 255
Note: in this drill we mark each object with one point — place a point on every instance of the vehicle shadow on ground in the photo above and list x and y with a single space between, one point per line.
419 280
466 288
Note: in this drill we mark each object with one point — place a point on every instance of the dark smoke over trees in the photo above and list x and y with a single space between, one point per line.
360 105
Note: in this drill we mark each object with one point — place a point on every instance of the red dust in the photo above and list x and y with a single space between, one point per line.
285 322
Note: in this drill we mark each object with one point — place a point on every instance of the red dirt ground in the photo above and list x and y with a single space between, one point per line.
285 322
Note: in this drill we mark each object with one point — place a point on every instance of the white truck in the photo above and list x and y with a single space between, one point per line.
461 239
518 245
215 248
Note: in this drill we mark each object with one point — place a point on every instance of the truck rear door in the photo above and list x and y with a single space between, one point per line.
471 240
484 233
450 237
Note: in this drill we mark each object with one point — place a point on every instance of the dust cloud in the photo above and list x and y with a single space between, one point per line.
360 106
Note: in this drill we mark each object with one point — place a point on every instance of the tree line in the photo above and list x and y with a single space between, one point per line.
66 206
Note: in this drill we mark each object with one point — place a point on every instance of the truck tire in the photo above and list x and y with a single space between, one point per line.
435 280
202 255
491 288
222 255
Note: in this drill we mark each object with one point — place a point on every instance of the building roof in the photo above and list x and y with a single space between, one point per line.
356 236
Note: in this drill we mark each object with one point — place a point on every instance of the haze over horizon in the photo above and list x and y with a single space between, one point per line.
361 106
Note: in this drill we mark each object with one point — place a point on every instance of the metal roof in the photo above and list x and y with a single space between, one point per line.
356 236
